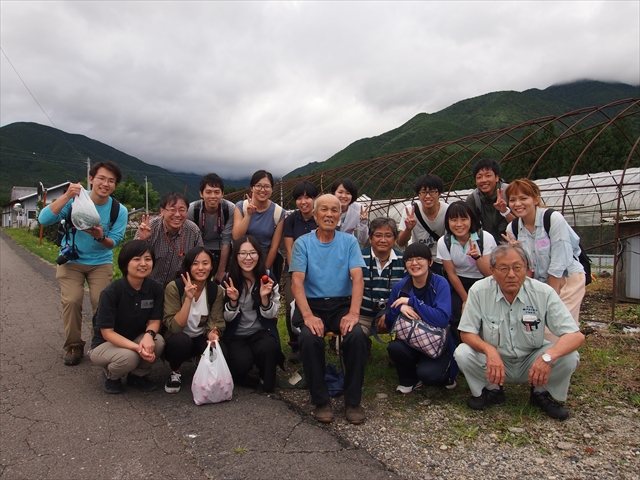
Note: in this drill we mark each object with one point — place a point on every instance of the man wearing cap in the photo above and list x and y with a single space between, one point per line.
502 330
327 284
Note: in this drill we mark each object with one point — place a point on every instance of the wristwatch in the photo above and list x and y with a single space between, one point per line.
101 239
546 358
506 213
152 333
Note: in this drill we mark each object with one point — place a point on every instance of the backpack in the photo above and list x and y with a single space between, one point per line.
198 219
583 258
480 242
65 226
276 212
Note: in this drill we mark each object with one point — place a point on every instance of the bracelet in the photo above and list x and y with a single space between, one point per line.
505 214
101 239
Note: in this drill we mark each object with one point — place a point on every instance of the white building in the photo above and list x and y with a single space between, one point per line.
22 210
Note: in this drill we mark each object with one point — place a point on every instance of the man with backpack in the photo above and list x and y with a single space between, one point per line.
488 201
214 215
86 254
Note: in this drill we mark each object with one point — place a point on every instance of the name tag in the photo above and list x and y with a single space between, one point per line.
146 304
545 242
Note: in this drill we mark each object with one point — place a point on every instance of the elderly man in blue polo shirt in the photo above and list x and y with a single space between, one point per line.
327 284
502 330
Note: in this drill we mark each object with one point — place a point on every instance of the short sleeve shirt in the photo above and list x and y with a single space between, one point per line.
465 265
326 266
126 309
262 224
216 231
419 234
503 325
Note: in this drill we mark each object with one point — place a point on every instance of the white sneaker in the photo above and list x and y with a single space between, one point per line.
174 383
451 384
407 390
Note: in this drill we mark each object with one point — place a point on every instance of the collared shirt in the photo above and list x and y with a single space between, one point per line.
504 325
126 309
554 254
213 237
169 249
419 234
464 264
379 279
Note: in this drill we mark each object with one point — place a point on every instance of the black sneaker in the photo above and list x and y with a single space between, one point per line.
112 386
548 405
174 383
486 399
141 383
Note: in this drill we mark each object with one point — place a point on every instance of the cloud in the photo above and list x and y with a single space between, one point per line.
238 86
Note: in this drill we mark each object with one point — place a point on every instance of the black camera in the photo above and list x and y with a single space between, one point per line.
66 254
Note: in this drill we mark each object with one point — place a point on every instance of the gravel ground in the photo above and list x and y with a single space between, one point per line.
429 436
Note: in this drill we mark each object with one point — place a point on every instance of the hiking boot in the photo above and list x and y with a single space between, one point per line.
141 383
355 414
112 386
294 357
174 383
74 355
323 412
486 399
407 390
548 405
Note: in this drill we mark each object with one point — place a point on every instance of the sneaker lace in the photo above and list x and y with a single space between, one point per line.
175 377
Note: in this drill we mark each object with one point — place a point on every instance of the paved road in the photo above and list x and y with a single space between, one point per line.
56 422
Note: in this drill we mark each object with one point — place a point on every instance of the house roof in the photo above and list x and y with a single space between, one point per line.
33 194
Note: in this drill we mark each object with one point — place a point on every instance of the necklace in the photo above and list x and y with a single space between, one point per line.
181 251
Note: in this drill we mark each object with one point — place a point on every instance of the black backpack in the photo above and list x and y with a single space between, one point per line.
583 258
197 208
66 227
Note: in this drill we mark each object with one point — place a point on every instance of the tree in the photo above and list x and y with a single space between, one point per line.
132 195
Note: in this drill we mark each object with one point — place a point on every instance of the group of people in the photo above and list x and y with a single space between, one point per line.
488 271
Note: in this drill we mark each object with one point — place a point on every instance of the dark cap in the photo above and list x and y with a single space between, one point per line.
416 250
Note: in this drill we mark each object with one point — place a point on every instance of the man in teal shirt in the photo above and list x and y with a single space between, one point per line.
502 330
93 247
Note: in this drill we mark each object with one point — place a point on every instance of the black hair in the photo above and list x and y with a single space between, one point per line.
191 256
134 248
348 185
235 272
461 210
212 180
417 249
171 198
304 188
380 222
487 163
259 175
109 165
429 181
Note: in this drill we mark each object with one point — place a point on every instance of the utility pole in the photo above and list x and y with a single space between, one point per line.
88 168
146 196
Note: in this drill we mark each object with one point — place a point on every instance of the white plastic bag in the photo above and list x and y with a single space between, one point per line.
212 382
83 212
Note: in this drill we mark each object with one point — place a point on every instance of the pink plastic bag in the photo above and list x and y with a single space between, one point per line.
212 382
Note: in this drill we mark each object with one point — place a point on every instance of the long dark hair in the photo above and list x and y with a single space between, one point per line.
191 256
235 272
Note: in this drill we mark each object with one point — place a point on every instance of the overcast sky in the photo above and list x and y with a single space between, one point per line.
233 87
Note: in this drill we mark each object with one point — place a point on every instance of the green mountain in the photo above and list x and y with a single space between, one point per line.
484 113
31 153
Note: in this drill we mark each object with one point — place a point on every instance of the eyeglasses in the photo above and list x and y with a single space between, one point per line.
102 179
174 210
252 255
517 269
386 236
433 193
416 260
266 188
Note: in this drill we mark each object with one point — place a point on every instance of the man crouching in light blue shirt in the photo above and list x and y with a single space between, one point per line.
502 330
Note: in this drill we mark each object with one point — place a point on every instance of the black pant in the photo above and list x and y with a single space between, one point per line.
456 306
413 365
312 350
180 348
260 349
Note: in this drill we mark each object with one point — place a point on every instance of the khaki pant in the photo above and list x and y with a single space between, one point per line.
71 277
572 290
118 361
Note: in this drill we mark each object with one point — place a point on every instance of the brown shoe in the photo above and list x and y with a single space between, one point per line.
74 355
355 414
323 412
